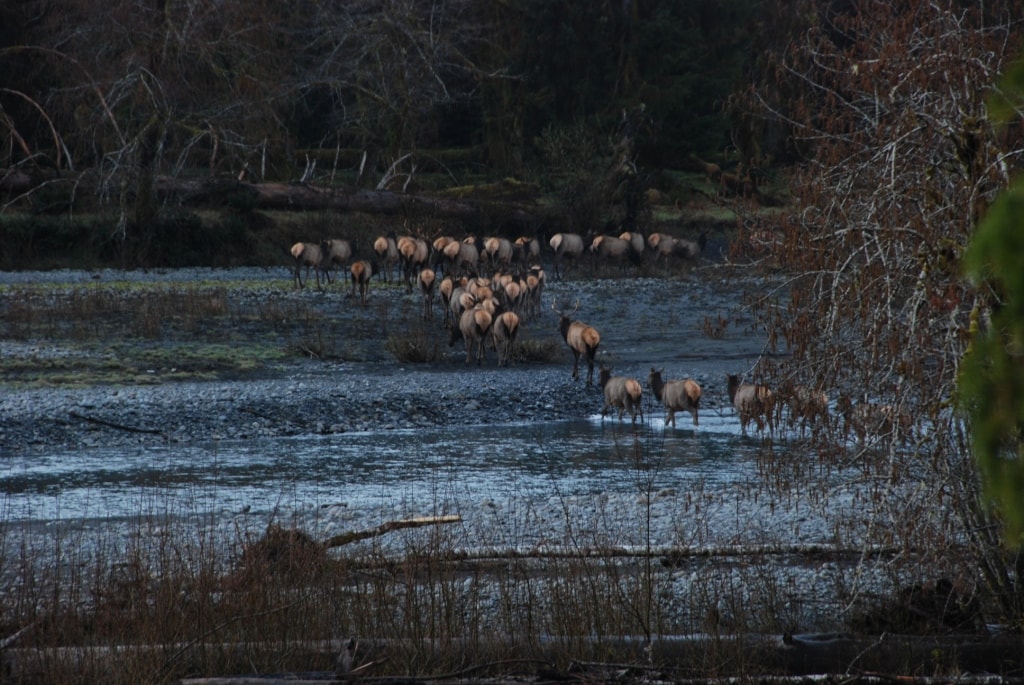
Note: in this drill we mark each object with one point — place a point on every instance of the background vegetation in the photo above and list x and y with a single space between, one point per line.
108 110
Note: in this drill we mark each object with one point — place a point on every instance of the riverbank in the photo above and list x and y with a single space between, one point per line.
119 380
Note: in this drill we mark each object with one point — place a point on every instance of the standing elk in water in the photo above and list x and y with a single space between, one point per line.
581 339
504 331
307 255
624 393
386 248
681 395
751 402
361 272
567 247
428 281
336 252
805 404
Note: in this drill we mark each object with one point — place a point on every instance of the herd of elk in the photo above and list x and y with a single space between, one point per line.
489 311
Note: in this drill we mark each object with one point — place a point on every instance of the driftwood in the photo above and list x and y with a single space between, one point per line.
387 527
118 426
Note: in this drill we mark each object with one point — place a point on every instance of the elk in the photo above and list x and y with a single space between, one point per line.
307 255
480 288
637 245
526 250
386 248
581 339
336 252
504 330
498 252
535 281
474 325
608 248
624 393
733 181
663 246
464 256
414 253
512 294
751 402
690 249
361 272
712 172
804 403
567 246
428 281
439 244
446 289
681 395
460 301
867 418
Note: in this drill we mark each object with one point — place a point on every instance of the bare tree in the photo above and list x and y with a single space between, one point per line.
888 104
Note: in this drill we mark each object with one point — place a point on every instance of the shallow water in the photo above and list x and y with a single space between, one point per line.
423 468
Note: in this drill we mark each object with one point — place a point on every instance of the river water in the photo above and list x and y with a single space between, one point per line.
514 485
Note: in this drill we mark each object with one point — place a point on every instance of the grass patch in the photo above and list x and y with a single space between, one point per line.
124 332
416 345
539 351
134 364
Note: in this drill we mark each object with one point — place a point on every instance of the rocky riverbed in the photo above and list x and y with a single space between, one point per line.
686 324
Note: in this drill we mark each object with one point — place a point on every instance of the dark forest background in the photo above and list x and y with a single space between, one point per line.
121 119
101 103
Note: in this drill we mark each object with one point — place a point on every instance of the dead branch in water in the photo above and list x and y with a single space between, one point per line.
387 527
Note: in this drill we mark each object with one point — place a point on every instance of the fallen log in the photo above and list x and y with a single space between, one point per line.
387 527
305 196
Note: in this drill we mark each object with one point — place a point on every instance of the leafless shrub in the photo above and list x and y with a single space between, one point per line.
887 109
